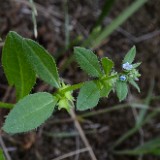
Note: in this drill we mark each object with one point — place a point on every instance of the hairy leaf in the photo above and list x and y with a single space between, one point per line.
42 62
107 65
129 57
88 61
88 96
30 112
106 90
17 70
134 84
136 65
122 90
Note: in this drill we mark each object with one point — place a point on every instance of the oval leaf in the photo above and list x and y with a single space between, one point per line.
30 112
136 65
88 61
88 96
106 90
107 65
17 70
42 62
129 57
122 90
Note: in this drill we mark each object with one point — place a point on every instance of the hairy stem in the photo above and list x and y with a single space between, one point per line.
68 88
79 85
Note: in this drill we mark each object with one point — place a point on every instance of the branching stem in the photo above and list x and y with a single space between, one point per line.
68 88
79 85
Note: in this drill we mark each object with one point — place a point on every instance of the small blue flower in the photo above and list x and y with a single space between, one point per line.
127 66
122 78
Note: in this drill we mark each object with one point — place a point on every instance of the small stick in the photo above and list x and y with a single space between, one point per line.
71 154
4 149
1 44
5 97
82 135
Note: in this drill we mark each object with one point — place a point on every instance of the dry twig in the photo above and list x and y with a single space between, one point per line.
82 135
5 97
71 154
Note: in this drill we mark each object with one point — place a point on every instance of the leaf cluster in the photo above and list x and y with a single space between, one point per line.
24 60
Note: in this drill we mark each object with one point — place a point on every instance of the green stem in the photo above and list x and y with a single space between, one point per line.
6 105
79 85
72 87
108 78
68 88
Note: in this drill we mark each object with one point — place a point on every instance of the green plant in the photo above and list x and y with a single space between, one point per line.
24 60
99 33
142 118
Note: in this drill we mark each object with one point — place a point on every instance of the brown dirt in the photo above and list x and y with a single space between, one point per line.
103 130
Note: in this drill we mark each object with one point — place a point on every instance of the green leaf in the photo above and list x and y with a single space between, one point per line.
122 90
105 87
105 90
1 155
17 70
107 65
136 65
88 96
30 112
134 84
129 57
42 62
88 61
151 147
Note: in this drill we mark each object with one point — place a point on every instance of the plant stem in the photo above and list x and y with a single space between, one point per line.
82 134
6 105
68 88
79 85
110 77
72 87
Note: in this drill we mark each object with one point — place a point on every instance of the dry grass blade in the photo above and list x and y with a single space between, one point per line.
72 154
1 44
82 135
4 149
1 139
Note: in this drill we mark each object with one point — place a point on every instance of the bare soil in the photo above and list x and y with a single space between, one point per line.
142 29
